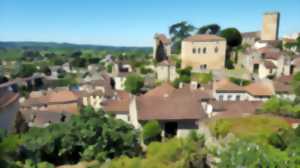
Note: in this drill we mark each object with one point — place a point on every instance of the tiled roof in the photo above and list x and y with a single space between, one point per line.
204 38
7 97
235 108
171 104
260 88
225 85
269 65
52 97
118 105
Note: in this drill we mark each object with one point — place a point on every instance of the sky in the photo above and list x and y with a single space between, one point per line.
132 22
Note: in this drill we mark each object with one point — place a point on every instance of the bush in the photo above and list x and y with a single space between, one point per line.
220 128
134 84
151 132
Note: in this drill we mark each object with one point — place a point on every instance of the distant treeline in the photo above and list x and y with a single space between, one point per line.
51 45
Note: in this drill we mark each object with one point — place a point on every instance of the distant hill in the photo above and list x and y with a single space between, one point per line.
48 45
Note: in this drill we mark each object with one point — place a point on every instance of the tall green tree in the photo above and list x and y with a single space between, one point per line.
209 29
234 39
134 83
178 32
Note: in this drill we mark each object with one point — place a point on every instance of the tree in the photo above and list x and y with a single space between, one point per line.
232 36
178 32
88 136
209 29
296 83
246 154
134 84
151 132
234 39
25 70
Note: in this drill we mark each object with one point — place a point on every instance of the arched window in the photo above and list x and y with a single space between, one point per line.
204 50
216 49
199 50
194 50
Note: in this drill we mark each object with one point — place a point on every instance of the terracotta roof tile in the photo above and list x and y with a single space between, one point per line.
118 105
225 85
260 88
176 104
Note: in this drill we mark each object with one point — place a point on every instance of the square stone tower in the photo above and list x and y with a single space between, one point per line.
270 26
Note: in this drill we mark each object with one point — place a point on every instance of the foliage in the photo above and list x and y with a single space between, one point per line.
134 83
257 127
177 153
238 81
8 147
24 70
251 155
88 136
282 107
232 36
296 83
151 132
109 68
185 76
209 29
220 128
178 32
202 77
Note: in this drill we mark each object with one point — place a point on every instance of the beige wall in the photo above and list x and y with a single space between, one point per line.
270 26
213 60
166 73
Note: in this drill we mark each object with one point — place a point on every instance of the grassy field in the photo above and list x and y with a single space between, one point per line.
202 77
256 127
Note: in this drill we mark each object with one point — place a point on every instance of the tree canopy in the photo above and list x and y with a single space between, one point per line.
232 36
209 29
178 32
134 83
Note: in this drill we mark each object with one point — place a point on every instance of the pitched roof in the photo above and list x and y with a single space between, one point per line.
162 90
7 97
269 65
51 97
162 38
281 87
204 38
233 108
225 85
176 104
251 34
118 105
260 88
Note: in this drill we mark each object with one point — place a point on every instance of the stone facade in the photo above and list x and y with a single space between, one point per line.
270 26
203 52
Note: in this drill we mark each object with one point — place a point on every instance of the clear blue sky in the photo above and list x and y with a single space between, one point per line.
132 22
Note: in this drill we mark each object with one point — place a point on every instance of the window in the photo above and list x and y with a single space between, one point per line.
199 50
229 97
216 49
238 97
194 50
221 97
204 50
203 67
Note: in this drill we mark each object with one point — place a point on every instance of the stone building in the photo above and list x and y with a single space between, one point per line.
203 52
162 47
270 26
166 71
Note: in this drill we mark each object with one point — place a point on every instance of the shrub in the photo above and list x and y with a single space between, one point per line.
220 128
151 132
